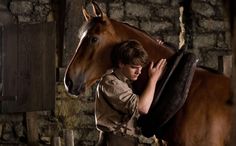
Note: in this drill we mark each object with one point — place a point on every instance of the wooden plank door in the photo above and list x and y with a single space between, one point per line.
28 67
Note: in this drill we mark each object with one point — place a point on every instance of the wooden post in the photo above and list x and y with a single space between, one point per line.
227 65
56 141
32 128
69 137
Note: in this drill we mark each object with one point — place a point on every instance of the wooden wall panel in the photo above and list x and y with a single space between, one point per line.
9 64
29 66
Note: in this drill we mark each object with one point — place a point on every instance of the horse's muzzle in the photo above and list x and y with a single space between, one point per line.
74 87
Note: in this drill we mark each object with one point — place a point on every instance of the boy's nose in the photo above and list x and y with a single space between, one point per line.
138 71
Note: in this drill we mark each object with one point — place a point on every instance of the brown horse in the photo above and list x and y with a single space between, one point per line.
205 118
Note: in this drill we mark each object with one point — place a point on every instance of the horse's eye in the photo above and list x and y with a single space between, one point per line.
93 39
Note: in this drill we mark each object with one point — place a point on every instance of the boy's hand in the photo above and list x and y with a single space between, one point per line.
156 71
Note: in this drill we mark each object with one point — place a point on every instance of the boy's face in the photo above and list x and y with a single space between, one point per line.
132 72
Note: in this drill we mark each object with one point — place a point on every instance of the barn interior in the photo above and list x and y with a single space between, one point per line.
39 37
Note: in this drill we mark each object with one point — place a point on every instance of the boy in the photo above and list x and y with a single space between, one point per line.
117 107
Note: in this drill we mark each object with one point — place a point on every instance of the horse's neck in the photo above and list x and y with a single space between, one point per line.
154 49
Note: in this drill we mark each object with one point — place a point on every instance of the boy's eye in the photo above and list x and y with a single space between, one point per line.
136 66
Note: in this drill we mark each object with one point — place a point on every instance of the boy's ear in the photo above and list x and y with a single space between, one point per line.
120 65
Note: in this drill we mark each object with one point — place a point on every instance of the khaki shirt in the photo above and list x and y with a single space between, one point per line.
116 105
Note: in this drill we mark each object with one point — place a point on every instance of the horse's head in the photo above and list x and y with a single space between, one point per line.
97 37
92 57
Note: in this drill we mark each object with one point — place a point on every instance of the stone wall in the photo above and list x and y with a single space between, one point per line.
206 34
210 32
32 11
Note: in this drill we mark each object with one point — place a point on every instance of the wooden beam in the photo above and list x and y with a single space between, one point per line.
56 141
69 138
32 128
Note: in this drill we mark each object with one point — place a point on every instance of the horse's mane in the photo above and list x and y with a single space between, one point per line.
134 27
167 45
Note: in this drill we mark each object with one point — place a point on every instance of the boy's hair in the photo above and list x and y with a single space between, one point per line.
129 52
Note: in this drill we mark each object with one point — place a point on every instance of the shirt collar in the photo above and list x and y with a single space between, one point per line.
121 76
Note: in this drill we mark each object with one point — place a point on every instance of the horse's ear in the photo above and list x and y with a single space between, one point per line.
97 10
85 13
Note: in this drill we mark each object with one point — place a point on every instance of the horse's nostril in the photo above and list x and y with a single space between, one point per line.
69 83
